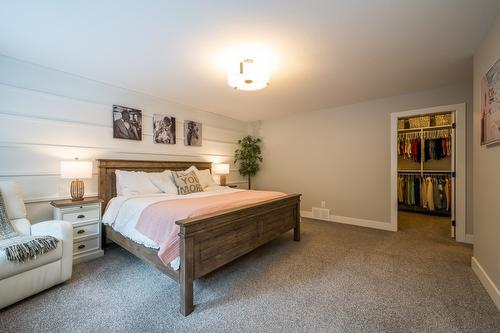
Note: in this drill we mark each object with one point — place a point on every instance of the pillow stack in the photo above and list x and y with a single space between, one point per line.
170 182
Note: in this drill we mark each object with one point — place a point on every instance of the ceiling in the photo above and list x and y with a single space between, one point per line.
329 53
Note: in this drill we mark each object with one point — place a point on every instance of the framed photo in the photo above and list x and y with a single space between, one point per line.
490 105
192 133
164 129
127 123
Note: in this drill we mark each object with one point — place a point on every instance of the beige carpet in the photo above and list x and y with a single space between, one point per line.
339 278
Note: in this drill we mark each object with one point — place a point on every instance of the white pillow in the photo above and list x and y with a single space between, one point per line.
191 168
164 181
134 183
204 176
13 199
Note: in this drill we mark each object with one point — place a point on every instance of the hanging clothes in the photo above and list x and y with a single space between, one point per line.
416 186
442 193
423 193
430 193
401 189
447 187
436 145
435 188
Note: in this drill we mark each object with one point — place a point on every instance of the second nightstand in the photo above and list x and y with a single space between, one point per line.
85 216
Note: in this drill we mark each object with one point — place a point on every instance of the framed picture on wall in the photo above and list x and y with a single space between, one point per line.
127 123
490 105
192 133
164 129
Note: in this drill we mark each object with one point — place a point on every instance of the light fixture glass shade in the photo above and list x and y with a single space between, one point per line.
249 75
221 169
76 169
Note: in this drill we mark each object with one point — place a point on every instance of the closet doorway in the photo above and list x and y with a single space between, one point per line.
428 169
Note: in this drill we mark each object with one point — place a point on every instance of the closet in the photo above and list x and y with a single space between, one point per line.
426 165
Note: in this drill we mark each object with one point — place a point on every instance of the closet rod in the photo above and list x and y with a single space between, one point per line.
425 171
424 128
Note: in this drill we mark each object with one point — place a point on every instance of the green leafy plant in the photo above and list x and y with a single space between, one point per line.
248 156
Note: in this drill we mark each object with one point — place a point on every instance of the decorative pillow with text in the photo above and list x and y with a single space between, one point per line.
187 182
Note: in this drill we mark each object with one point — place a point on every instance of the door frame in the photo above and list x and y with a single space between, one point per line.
460 162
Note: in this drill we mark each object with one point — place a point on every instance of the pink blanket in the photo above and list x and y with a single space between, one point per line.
157 221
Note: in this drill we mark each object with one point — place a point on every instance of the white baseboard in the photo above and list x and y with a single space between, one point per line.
353 221
469 239
488 284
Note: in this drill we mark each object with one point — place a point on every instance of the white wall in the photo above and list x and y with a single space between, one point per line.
47 116
486 177
342 155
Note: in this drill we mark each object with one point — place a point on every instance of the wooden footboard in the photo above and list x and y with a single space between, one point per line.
211 241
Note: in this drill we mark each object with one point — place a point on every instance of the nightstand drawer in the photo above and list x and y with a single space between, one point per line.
85 245
85 230
82 215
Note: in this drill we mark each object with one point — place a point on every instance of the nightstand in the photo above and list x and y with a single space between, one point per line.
85 216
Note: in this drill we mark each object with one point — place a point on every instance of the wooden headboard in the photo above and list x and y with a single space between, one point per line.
107 178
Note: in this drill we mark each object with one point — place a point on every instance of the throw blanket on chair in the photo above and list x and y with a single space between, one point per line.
21 248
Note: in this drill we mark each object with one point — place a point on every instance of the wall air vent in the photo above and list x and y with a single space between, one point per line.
321 213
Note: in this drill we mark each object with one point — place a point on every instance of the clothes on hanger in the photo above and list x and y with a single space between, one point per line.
432 192
410 148
447 188
436 149
436 143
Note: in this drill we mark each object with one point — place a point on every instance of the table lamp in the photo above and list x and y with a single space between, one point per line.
221 169
76 170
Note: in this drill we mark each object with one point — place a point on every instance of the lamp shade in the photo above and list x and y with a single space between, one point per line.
221 169
76 169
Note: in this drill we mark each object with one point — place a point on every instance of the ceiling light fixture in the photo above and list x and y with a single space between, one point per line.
251 75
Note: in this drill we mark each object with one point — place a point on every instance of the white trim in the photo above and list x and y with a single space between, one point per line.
33 174
8 174
460 163
52 198
108 149
487 283
469 239
352 221
65 122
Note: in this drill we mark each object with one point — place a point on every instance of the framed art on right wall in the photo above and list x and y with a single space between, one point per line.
490 105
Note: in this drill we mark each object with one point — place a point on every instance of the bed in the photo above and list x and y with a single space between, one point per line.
209 241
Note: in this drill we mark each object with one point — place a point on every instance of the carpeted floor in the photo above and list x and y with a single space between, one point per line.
339 278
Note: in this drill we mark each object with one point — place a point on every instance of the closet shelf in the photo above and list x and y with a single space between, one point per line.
417 129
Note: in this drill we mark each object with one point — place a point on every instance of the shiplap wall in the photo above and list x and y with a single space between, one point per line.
47 116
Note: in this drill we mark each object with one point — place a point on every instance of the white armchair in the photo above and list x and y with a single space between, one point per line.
20 280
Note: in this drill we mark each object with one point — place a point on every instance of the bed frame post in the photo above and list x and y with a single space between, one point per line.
296 229
186 277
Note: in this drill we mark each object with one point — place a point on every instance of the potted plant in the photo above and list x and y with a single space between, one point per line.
248 156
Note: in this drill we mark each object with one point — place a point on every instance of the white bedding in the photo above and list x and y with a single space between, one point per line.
123 212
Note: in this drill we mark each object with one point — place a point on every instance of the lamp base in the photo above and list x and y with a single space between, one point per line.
77 190
222 180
